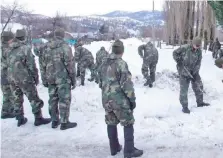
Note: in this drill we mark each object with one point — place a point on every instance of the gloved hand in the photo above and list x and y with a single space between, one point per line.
132 105
36 80
45 84
73 87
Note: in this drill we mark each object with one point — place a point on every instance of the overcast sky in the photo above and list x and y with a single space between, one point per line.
86 7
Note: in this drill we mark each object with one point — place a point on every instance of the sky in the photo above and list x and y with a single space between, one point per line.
86 7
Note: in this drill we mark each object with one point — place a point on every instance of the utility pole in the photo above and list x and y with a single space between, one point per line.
153 27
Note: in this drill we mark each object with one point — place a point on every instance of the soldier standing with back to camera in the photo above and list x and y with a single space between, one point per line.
118 99
8 98
59 77
23 78
188 59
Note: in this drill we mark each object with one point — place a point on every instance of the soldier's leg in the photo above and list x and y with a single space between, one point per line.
8 104
152 68
36 103
91 66
18 101
82 72
127 120
112 121
64 93
78 70
184 85
53 102
145 70
197 87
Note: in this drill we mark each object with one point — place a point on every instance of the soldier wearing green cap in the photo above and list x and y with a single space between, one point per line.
59 77
8 98
118 99
188 59
23 78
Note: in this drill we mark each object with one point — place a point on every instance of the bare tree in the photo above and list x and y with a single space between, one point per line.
8 13
197 18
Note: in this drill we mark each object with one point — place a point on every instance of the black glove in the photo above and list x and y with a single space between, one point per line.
45 84
132 105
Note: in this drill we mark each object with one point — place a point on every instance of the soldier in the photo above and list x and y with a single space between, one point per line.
150 59
7 106
59 72
216 47
23 78
85 59
118 99
188 58
100 55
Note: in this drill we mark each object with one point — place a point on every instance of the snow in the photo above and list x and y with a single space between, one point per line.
161 129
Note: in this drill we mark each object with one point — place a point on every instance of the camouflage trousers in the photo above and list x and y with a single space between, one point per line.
152 69
29 89
197 87
87 64
8 98
215 53
59 94
123 116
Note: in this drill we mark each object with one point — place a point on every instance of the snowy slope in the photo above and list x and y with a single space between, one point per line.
161 129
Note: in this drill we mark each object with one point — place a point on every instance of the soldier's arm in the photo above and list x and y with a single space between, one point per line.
77 54
177 54
31 64
43 62
69 63
140 50
126 82
3 64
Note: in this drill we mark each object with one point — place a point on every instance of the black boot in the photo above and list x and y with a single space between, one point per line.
186 110
21 121
67 125
91 79
129 149
148 82
55 124
39 120
203 104
115 147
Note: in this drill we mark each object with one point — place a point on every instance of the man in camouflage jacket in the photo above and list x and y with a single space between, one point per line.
118 99
85 60
59 76
100 56
188 58
8 98
23 78
150 60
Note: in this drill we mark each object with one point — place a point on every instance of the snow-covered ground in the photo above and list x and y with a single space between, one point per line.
161 129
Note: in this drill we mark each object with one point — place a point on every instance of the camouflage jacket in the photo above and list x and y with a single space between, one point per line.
21 63
4 76
100 55
188 59
83 54
150 54
58 64
115 82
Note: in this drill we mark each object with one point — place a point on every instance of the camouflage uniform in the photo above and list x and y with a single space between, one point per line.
85 60
118 99
216 47
7 106
59 72
150 60
188 65
23 76
100 55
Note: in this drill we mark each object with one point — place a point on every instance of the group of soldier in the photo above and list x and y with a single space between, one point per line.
58 74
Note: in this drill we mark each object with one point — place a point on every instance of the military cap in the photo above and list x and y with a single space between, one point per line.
196 41
59 33
20 33
118 47
7 35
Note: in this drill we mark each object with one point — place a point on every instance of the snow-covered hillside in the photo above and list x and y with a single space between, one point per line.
161 129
